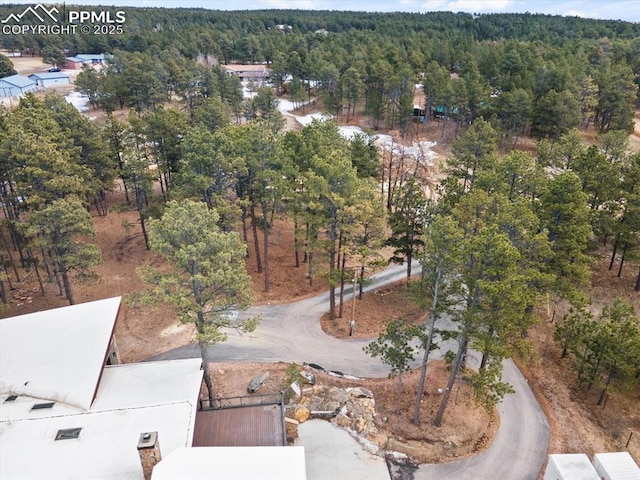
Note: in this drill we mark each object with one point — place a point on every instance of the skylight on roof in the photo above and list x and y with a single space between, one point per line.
68 433
40 406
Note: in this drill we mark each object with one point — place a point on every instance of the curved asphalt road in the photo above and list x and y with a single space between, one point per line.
292 333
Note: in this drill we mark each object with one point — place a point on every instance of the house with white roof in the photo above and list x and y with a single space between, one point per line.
616 466
224 463
605 466
570 466
16 85
68 410
66 413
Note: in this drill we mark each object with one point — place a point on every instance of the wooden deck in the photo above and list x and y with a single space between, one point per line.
257 426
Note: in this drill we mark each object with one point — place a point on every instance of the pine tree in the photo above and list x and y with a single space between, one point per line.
207 279
61 229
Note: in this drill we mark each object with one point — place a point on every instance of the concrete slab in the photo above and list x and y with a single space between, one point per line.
333 454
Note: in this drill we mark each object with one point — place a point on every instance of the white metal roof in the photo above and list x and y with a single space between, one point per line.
132 399
573 466
57 354
233 463
616 466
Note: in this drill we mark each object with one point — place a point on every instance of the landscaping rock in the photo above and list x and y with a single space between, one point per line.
378 439
330 406
342 420
257 382
302 414
337 395
360 392
315 403
310 378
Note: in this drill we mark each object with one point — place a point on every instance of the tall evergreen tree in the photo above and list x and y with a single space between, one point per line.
565 215
61 229
407 221
207 279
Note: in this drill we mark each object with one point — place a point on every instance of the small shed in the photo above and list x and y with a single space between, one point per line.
50 79
570 466
16 85
616 466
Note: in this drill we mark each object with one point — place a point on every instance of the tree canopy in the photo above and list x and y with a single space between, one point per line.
207 281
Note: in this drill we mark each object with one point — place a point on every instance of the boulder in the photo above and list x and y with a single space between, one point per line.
337 395
343 421
331 406
360 392
310 378
316 403
301 414
257 382
378 439
361 407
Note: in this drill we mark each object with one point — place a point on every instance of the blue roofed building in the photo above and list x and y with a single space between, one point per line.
80 59
92 57
50 79
16 85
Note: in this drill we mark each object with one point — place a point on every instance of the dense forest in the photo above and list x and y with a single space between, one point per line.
541 72
508 227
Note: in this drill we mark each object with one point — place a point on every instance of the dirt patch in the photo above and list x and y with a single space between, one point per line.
466 428
373 311
26 65
287 282
577 423
140 332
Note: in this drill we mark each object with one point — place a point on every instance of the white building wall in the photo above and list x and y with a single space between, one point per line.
52 82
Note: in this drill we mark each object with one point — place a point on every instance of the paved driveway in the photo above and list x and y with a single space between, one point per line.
292 333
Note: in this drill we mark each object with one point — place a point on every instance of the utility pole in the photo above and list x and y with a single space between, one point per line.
352 323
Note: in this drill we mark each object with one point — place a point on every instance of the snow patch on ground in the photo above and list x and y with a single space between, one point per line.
78 100
307 119
247 91
349 131
421 151
285 106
